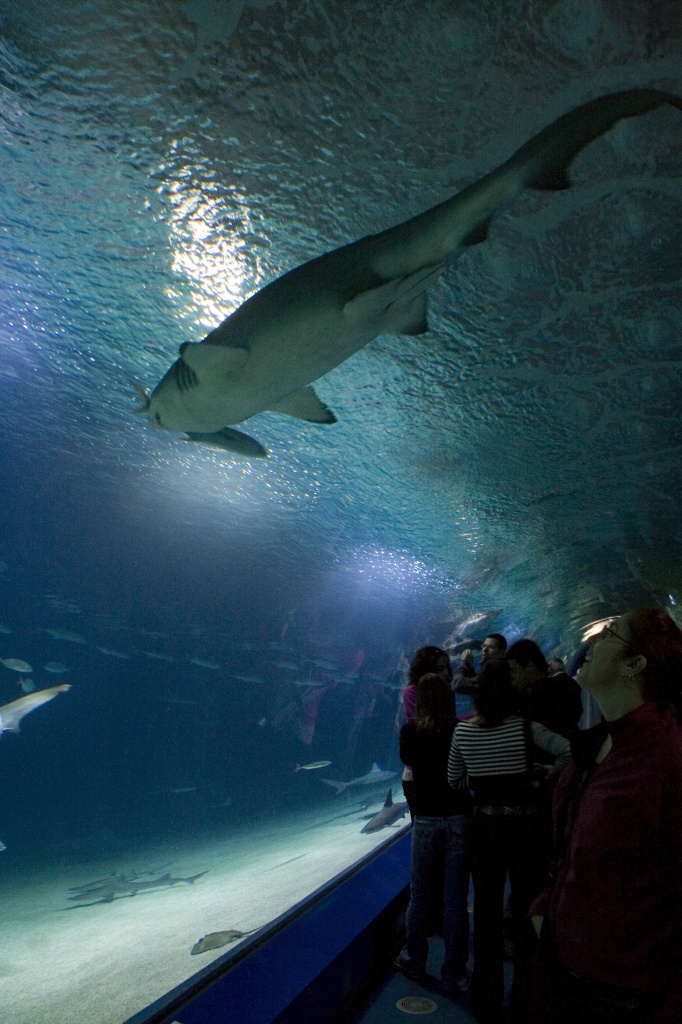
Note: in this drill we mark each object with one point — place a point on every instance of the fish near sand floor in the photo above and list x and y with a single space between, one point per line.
126 886
214 940
388 815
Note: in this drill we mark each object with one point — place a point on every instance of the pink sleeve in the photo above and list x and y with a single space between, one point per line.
410 701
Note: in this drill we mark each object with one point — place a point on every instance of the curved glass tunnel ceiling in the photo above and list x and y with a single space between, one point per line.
161 163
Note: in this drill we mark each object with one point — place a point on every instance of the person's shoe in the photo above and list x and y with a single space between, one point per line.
409 972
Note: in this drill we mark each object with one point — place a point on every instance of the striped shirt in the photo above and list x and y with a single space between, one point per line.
494 757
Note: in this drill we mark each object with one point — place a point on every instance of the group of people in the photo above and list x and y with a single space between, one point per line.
586 824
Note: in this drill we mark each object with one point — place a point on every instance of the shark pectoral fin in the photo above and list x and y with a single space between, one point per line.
477 234
398 306
230 440
555 180
213 360
304 405
406 317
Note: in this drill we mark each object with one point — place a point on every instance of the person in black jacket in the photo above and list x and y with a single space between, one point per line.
553 700
439 868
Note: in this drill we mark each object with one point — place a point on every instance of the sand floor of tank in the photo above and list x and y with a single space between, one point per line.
63 963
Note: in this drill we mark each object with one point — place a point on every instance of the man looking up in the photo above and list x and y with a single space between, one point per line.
464 679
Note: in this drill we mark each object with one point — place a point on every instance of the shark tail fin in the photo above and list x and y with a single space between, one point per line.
548 155
192 878
338 786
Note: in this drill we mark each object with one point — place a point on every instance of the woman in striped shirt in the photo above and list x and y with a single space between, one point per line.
493 750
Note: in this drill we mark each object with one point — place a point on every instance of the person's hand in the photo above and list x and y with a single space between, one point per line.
536 920
467 659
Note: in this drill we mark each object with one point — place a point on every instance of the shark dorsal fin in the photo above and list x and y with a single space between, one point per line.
389 799
213 360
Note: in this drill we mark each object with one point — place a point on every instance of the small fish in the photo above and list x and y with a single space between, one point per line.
2 846
16 664
159 657
249 679
113 654
262 722
309 767
56 667
27 685
65 634
204 664
66 606
214 940
5 629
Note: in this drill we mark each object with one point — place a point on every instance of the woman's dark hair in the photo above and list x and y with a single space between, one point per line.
435 703
527 652
425 659
654 635
495 698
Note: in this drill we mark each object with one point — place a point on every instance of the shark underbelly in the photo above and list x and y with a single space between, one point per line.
270 375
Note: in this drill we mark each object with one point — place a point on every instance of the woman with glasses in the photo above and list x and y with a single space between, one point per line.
610 920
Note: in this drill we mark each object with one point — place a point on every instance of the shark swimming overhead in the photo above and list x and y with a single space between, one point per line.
265 356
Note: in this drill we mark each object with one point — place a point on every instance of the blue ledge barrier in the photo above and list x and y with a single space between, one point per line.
257 981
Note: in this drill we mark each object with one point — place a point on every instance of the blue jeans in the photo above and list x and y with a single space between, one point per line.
439 878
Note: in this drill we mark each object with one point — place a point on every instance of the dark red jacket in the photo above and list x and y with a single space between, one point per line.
615 909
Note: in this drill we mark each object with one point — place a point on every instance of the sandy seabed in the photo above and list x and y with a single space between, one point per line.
63 963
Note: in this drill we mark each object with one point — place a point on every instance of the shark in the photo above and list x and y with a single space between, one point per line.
266 355
388 814
107 890
11 714
374 775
